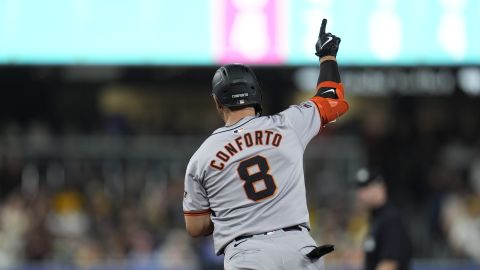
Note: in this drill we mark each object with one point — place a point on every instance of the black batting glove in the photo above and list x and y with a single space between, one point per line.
327 44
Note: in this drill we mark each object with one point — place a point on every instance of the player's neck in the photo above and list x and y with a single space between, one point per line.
232 117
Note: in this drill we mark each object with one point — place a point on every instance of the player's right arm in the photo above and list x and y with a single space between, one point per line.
200 225
196 208
330 99
329 102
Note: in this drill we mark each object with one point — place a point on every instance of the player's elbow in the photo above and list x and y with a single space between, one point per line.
330 109
194 231
197 226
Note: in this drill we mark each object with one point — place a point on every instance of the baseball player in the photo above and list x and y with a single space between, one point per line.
245 184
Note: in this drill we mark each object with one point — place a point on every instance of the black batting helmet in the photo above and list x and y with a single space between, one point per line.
236 87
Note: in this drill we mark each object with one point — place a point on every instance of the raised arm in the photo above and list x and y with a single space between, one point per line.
329 98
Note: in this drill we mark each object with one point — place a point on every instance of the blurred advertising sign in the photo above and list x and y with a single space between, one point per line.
111 32
264 32
385 81
248 31
389 32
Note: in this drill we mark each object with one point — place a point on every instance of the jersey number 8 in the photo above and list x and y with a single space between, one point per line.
253 170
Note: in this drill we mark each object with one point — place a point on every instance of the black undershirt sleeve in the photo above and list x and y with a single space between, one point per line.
329 72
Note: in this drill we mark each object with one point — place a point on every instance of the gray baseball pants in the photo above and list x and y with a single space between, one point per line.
273 251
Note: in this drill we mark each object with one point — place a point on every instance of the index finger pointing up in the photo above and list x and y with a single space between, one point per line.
324 25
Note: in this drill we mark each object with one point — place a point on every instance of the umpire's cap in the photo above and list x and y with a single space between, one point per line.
236 87
366 176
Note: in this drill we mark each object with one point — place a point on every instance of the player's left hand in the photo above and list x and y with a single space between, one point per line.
327 44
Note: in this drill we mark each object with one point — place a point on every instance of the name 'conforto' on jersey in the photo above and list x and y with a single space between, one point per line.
248 139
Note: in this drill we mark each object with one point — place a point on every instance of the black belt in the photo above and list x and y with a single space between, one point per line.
286 229
316 253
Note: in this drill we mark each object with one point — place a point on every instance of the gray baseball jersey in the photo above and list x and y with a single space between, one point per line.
249 176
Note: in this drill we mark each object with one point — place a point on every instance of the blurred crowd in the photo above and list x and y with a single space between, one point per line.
88 211
87 225
121 212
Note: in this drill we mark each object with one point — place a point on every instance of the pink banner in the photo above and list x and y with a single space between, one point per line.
249 31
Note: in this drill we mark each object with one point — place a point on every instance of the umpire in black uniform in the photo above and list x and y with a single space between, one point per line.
387 245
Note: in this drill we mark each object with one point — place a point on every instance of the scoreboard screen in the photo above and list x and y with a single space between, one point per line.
262 32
